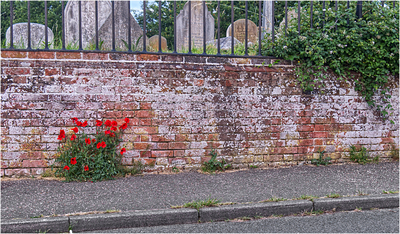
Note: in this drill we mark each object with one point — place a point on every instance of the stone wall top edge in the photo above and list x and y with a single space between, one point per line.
152 58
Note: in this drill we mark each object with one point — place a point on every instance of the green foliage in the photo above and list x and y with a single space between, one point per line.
334 195
20 9
390 192
305 197
368 46
275 199
360 155
175 169
394 152
213 164
320 160
95 158
199 204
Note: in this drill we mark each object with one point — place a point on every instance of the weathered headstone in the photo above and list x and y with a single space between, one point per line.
267 18
153 43
88 21
239 31
20 36
225 43
291 16
182 26
121 16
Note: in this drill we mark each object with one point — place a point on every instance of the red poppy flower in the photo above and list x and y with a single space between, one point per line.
126 120
79 123
123 126
123 150
114 123
87 140
94 140
99 123
84 124
66 168
75 129
113 128
86 168
62 135
73 137
73 160
107 123
112 134
107 132
74 119
102 144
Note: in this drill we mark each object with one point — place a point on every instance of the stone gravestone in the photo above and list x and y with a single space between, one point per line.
267 18
153 43
88 21
292 21
182 26
225 43
240 31
20 36
121 29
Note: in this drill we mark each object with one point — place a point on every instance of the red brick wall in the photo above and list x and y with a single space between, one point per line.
181 107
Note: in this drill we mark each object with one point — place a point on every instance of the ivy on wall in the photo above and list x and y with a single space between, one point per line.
344 43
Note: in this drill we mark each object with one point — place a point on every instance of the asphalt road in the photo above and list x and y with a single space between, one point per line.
28 198
368 221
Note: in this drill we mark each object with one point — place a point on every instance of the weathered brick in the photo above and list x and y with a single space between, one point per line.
145 114
147 57
167 153
95 56
13 54
68 55
34 163
41 55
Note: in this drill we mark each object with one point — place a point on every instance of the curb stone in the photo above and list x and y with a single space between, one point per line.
145 218
261 209
50 224
133 219
351 203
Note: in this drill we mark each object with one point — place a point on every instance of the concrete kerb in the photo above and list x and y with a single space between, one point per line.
50 224
256 209
145 218
363 202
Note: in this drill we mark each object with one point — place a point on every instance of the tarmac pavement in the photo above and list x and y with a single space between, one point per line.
146 200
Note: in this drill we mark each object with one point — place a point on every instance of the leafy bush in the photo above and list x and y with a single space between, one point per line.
368 46
321 161
83 157
213 164
361 156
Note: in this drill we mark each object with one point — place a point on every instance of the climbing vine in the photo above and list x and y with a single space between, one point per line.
347 45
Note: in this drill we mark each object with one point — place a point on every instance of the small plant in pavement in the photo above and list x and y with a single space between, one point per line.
314 212
275 199
199 204
361 155
390 192
305 197
334 195
320 160
213 164
361 193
